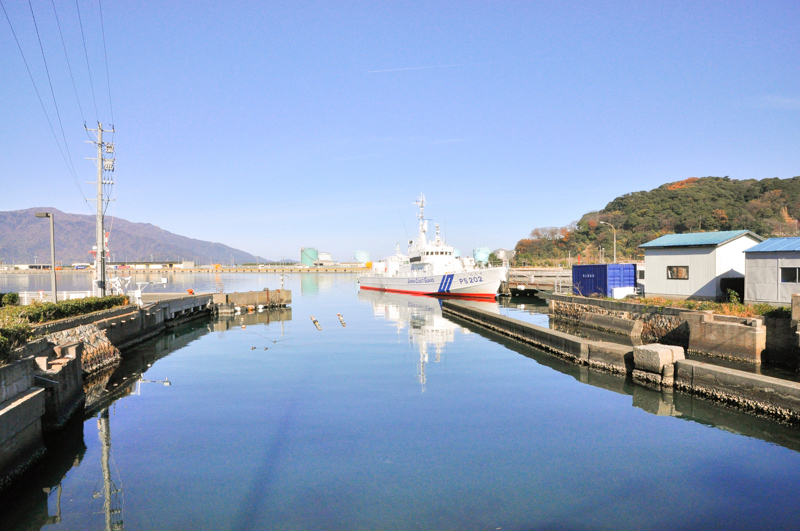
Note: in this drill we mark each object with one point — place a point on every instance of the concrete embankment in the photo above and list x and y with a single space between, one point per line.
699 332
48 383
661 402
600 354
659 367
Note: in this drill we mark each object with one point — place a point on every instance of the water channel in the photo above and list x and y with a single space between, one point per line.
401 419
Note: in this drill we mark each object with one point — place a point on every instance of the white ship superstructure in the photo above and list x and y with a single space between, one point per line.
433 268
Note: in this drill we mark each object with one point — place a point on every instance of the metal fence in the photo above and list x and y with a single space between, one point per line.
27 297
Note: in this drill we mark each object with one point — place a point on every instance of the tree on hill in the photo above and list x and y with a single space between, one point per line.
769 207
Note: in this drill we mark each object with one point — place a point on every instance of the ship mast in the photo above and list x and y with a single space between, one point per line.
423 225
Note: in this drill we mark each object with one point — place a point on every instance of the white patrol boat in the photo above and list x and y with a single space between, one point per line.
432 268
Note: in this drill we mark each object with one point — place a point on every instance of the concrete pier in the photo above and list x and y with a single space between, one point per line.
659 367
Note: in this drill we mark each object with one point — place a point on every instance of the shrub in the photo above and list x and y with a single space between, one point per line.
11 337
735 307
10 299
42 312
733 296
15 321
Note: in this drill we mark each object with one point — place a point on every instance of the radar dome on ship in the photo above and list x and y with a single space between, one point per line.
362 256
481 254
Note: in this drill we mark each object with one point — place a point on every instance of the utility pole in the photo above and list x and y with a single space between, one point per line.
105 166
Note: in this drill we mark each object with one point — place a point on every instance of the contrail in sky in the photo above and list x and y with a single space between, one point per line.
444 66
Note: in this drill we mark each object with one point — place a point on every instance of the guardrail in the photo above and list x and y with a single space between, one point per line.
28 297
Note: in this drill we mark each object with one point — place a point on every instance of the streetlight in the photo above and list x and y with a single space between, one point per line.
52 252
615 238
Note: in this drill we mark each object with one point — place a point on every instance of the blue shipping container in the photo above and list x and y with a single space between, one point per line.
601 279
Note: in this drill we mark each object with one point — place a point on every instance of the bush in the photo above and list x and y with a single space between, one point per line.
733 296
734 307
15 321
42 312
10 299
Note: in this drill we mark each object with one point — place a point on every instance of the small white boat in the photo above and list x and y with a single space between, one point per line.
433 268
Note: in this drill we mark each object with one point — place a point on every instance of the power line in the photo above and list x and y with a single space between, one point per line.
86 54
105 56
39 96
52 93
69 66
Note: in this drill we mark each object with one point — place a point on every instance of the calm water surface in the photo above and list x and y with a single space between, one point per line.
400 420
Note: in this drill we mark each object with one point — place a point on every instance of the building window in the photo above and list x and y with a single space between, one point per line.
641 274
678 272
789 275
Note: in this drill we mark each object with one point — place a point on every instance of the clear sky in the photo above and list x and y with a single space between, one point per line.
272 125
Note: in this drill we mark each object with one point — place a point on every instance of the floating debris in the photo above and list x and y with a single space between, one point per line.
316 323
341 319
252 348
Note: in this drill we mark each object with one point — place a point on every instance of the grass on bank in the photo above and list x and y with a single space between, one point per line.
733 306
736 309
16 321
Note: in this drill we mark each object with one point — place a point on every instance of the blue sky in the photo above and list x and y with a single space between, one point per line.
274 125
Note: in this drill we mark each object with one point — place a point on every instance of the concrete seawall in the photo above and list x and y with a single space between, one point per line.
599 354
684 406
659 367
698 332
42 391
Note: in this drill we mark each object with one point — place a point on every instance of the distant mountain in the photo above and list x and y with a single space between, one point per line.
768 207
23 237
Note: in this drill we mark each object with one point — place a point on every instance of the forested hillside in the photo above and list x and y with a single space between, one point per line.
770 207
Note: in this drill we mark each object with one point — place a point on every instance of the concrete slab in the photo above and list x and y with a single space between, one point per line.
653 357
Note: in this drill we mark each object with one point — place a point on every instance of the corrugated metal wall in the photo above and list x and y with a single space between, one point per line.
762 281
701 261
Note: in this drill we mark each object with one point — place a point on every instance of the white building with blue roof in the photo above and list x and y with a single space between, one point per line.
772 271
681 266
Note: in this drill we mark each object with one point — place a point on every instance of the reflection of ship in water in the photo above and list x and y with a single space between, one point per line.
428 329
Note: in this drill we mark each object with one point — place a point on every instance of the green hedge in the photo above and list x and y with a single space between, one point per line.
9 299
15 321
42 312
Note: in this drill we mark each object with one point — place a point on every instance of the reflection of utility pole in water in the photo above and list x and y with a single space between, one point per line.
112 503
56 519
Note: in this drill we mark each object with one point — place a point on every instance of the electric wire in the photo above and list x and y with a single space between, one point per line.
105 56
69 66
39 96
86 54
52 91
